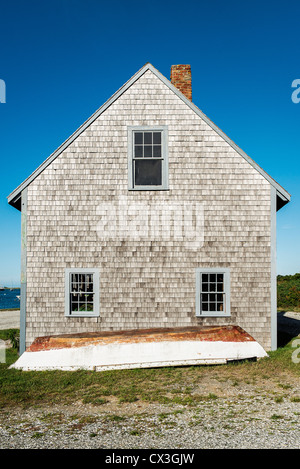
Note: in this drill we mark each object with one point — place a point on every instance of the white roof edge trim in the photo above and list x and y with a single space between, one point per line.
285 199
15 195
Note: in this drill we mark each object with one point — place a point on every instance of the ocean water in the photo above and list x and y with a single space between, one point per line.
8 299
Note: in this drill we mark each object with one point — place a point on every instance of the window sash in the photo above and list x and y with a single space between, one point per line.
213 292
146 143
82 292
143 138
154 179
215 304
81 302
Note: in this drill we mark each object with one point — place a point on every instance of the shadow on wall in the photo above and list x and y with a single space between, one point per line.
288 327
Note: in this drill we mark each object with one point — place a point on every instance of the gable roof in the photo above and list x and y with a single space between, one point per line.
14 199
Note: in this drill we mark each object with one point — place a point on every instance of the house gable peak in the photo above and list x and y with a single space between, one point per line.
184 94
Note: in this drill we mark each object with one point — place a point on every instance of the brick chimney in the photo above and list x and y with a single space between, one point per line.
181 77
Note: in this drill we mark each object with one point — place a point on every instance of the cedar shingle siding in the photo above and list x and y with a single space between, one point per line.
148 275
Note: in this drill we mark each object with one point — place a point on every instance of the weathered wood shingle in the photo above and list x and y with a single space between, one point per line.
148 281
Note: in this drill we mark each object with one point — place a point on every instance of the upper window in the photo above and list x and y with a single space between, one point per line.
147 158
213 292
82 292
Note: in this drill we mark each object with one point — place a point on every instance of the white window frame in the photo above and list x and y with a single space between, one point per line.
226 291
96 301
165 163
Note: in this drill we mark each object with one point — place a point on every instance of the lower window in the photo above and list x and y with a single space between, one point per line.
213 292
82 292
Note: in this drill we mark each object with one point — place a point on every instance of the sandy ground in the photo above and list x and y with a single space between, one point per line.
9 319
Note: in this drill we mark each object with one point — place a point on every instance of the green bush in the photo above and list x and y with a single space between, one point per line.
13 335
288 292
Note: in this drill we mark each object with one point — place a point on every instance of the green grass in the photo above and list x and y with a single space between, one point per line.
177 385
173 385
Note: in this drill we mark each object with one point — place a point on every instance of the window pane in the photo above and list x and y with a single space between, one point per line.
212 286
74 305
212 297
204 297
147 138
148 152
220 287
204 286
148 173
81 282
204 306
156 137
89 277
219 306
138 151
212 277
138 138
212 307
220 278
81 278
204 277
74 278
157 151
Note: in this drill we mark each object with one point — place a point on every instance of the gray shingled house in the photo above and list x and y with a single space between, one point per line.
148 217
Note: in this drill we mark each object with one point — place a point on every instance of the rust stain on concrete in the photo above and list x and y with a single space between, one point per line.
210 334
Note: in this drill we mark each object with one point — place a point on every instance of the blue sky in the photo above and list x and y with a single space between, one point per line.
62 59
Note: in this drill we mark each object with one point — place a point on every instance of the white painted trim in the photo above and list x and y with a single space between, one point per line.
23 289
273 271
